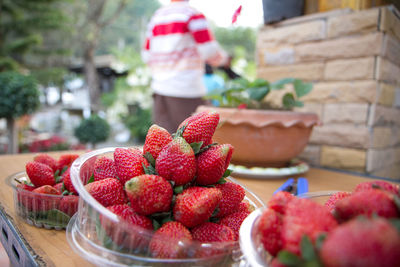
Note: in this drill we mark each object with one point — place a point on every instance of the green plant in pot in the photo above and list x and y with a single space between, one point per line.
263 133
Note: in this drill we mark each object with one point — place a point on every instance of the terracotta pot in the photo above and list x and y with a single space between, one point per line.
264 138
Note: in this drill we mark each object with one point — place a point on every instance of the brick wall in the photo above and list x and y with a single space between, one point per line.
353 59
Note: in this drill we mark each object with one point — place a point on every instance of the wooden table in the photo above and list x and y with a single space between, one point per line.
40 247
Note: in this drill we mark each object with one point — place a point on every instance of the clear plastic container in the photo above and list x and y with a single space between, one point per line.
250 241
40 210
97 234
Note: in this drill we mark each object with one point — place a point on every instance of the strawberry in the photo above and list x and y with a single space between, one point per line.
48 160
156 139
170 241
270 229
176 162
127 233
245 206
40 174
108 192
46 189
66 160
212 163
362 242
279 201
232 195
66 177
25 186
59 187
305 217
333 199
128 164
149 194
234 221
212 232
104 168
383 185
195 205
42 198
366 203
200 127
69 204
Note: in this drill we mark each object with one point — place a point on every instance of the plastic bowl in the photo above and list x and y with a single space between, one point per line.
40 210
97 234
250 241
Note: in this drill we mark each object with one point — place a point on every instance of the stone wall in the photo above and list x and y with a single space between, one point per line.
353 59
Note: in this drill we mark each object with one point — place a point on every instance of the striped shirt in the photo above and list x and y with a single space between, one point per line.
178 43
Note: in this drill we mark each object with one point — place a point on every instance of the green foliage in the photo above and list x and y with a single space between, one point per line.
252 93
93 130
138 121
18 95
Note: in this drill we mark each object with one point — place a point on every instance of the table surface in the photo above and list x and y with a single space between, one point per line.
51 247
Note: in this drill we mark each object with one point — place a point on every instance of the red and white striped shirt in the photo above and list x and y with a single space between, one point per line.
178 43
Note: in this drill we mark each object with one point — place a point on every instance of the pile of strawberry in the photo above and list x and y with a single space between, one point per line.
54 200
175 188
359 228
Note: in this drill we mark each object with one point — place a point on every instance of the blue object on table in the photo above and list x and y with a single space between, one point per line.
302 185
285 185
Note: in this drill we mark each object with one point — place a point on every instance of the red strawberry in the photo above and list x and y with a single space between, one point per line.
43 198
176 162
149 194
362 242
383 185
59 187
305 217
212 232
66 160
69 204
104 168
127 232
25 186
66 177
156 139
128 164
170 241
48 160
270 229
366 203
212 163
46 189
200 127
108 192
245 206
279 201
232 195
234 221
195 205
333 199
40 174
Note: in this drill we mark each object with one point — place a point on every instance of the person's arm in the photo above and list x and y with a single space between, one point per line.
207 46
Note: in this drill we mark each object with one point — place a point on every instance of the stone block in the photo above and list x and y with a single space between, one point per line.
397 98
353 113
311 154
383 137
391 172
357 22
386 94
345 47
350 69
391 48
387 71
389 23
343 91
383 116
307 72
313 108
345 135
343 158
379 158
302 32
278 55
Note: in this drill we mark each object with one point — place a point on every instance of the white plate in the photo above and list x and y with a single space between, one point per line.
268 173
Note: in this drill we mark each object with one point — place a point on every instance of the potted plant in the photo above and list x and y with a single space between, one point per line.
263 134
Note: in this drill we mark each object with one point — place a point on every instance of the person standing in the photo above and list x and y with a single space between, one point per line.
178 44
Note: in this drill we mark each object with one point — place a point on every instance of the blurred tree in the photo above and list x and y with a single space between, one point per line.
18 96
93 130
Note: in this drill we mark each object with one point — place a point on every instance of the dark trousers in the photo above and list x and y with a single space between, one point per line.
169 112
